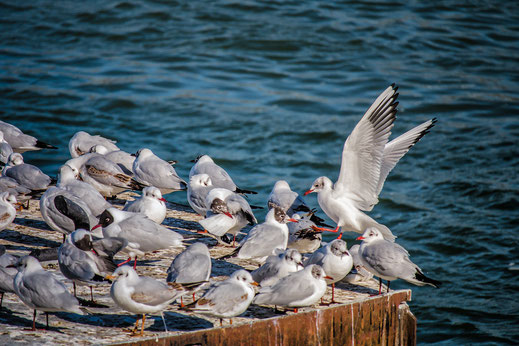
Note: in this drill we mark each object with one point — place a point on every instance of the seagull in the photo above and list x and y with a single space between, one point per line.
7 209
144 295
68 181
228 298
263 239
367 159
335 260
298 289
277 267
191 265
26 174
151 204
219 177
198 188
283 197
120 157
10 185
103 174
41 290
151 170
7 272
390 261
143 234
79 261
19 141
5 149
358 273
64 212
228 213
82 142
302 235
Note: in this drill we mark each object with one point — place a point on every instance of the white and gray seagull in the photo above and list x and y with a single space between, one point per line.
367 159
21 142
335 260
150 203
204 164
277 267
151 170
26 174
82 142
198 188
7 209
41 290
302 234
390 261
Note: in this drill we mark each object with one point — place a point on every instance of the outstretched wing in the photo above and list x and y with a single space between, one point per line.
363 151
398 147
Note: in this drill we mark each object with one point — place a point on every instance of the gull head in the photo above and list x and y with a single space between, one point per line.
153 192
294 256
15 159
243 276
370 234
338 248
319 185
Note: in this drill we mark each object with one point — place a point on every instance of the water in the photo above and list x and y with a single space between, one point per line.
271 90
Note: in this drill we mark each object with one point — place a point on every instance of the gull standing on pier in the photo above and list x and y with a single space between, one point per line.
263 239
335 260
228 298
198 188
7 209
41 290
302 288
144 295
277 267
390 261
219 177
151 170
302 235
150 203
367 159
26 174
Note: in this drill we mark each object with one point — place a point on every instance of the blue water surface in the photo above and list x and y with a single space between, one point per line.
271 89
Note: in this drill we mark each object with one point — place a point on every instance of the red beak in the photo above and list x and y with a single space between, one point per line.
309 191
360 238
228 214
96 226
328 277
293 220
162 199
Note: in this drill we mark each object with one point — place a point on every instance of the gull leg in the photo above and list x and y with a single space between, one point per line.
164 321
122 263
135 263
142 327
181 302
74 285
230 320
388 286
64 236
33 322
221 323
380 286
91 295
340 236
323 229
193 296
333 294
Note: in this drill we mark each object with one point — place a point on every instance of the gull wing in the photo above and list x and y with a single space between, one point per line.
363 151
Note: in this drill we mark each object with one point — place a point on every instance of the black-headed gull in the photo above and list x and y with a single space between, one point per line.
82 142
7 209
41 290
144 295
26 174
302 234
298 289
390 261
263 239
7 272
367 159
228 298
228 213
219 177
151 170
277 267
21 142
335 260
150 203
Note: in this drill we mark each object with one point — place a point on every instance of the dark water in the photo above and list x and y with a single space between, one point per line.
272 89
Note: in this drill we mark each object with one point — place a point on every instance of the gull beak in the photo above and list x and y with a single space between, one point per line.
309 191
360 238
162 199
228 214
110 277
300 264
95 227
254 283
292 220
133 154
328 277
